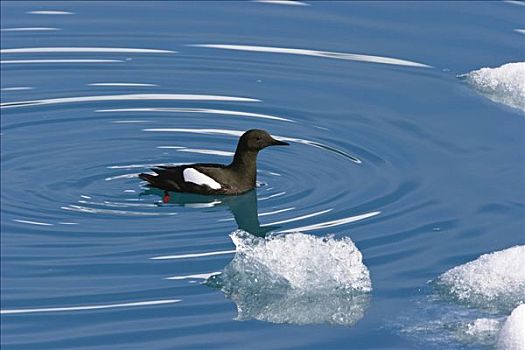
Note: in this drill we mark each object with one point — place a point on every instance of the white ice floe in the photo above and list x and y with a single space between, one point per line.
487 289
505 84
512 334
296 278
495 281
307 261
326 54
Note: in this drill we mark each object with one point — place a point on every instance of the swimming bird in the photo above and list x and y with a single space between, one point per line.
204 178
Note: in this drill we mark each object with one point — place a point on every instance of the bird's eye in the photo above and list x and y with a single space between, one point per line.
258 138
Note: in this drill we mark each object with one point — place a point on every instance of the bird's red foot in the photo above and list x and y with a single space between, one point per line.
166 197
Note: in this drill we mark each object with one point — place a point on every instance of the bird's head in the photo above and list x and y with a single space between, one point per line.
255 140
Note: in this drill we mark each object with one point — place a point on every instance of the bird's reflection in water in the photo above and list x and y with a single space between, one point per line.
243 207
259 289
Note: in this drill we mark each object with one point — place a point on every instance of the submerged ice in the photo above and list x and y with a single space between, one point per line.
494 281
477 304
480 331
434 323
505 84
296 278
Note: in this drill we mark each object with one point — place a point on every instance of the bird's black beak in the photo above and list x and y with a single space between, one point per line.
279 143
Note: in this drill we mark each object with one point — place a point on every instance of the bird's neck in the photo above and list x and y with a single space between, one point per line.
245 165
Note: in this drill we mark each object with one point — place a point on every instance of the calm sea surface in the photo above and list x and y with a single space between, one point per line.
388 148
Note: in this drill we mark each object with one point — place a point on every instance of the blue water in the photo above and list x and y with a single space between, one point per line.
439 166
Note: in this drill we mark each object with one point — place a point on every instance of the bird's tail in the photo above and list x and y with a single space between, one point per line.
152 179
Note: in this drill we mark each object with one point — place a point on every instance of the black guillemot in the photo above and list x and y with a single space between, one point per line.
203 178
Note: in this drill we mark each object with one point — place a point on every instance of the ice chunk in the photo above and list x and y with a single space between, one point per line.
480 331
296 278
505 84
495 281
512 334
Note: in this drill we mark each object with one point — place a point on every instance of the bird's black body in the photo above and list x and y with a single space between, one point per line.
236 178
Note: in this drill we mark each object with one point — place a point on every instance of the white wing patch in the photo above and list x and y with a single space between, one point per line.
198 178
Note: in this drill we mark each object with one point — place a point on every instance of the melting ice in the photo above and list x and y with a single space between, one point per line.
494 281
488 311
505 84
296 278
512 334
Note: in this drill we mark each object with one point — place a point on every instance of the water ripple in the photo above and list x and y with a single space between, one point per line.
32 222
50 12
80 230
28 29
332 223
204 151
17 88
192 255
515 2
83 49
82 209
197 110
316 53
89 307
127 97
147 165
203 276
80 60
240 132
283 2
121 84
298 218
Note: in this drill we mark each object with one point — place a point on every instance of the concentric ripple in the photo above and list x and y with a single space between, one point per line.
327 54
110 181
395 172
